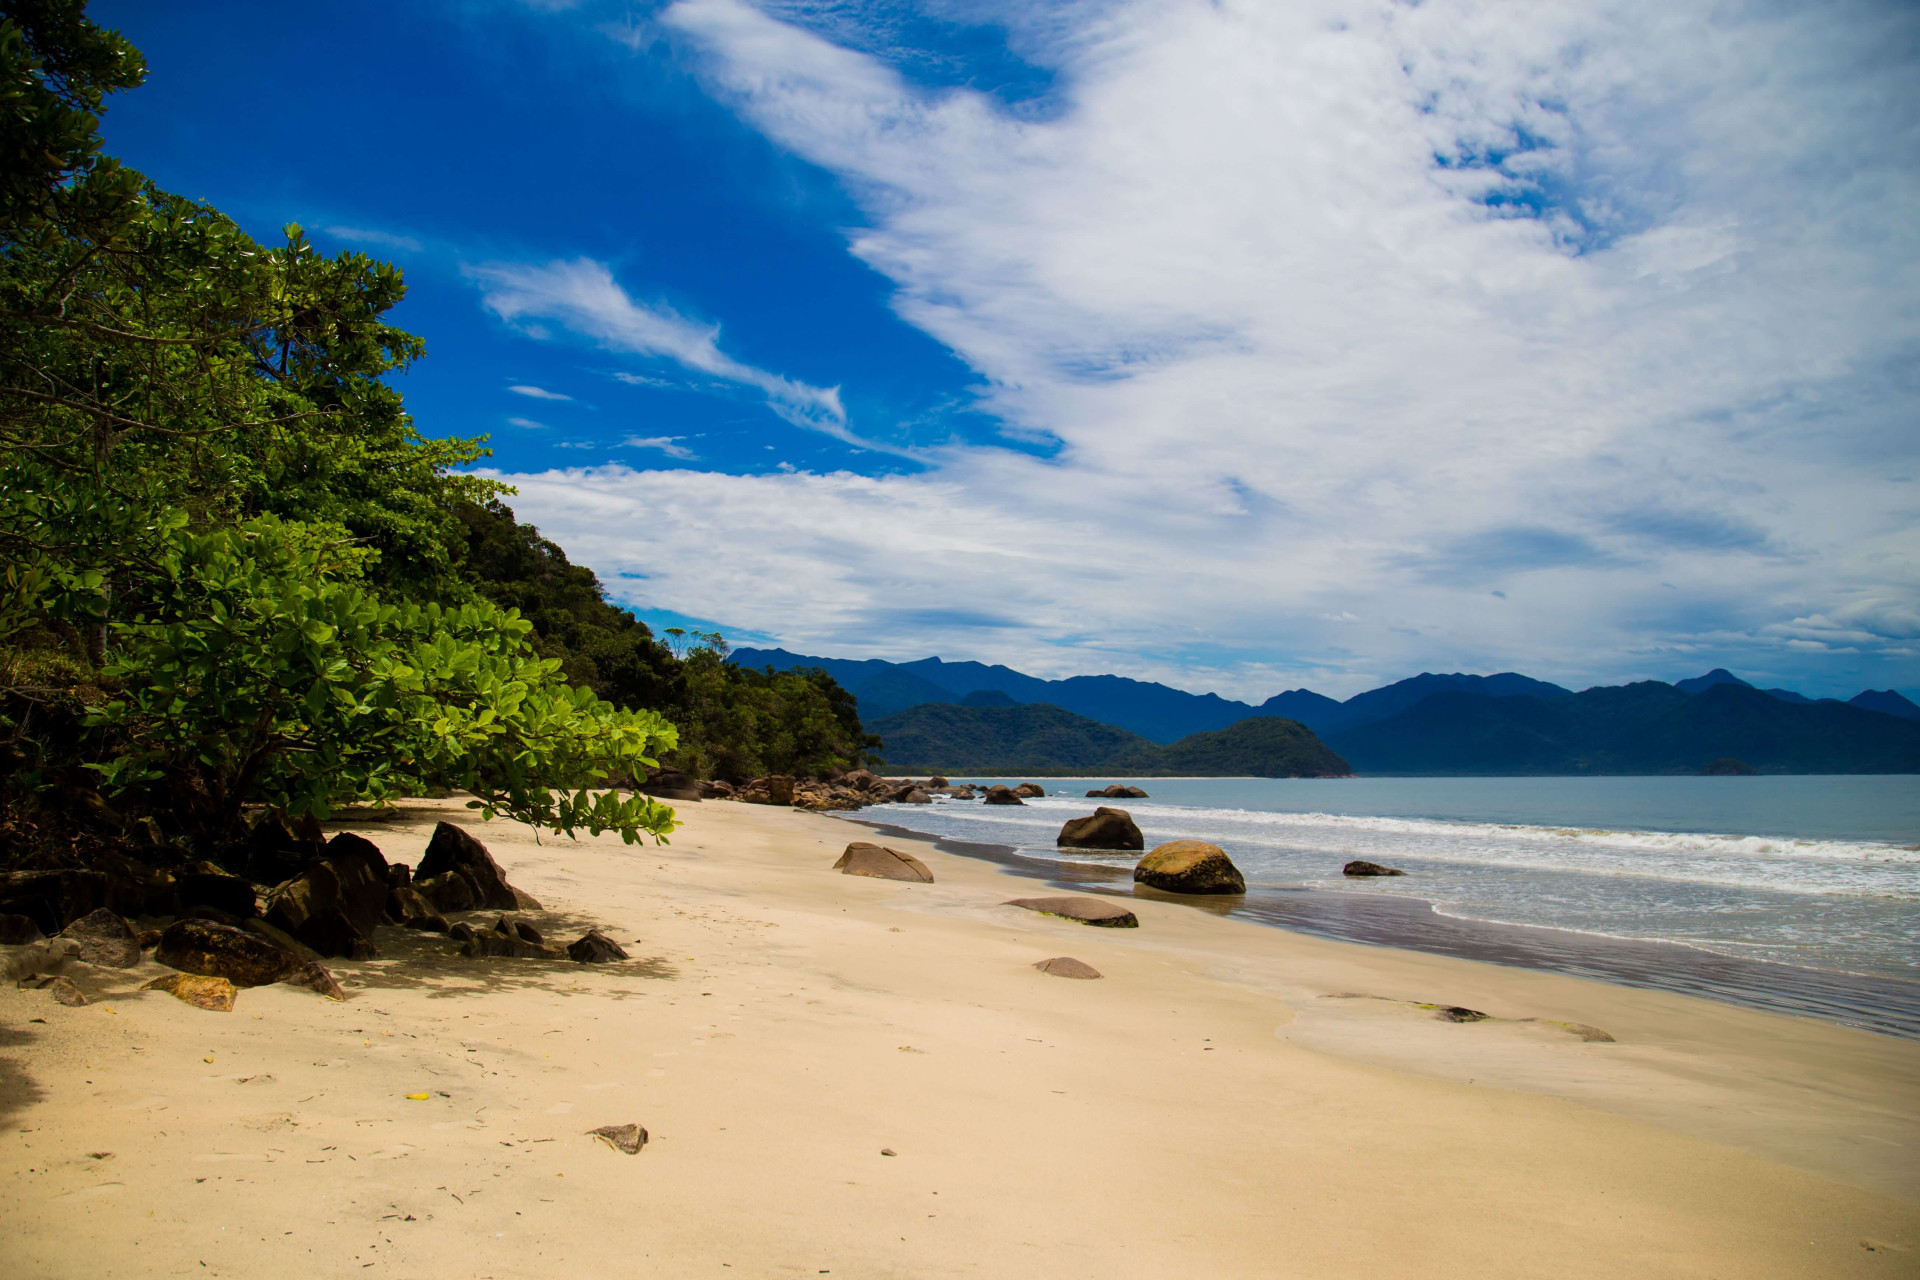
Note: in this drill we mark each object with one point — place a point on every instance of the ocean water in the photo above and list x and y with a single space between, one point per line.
1817 874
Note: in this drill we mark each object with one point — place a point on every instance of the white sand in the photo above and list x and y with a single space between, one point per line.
1203 1110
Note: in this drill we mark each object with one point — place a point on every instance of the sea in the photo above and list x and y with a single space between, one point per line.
1795 894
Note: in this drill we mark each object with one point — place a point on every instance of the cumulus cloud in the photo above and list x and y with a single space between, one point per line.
583 296
1374 337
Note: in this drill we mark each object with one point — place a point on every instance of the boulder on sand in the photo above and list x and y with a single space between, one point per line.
1102 913
198 990
105 939
1190 866
1001 795
335 904
448 891
1106 829
1067 967
595 947
1361 867
882 863
242 958
17 931
670 784
454 849
202 884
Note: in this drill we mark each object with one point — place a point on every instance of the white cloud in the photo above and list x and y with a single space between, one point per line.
537 393
668 445
527 423
1634 351
583 296
372 236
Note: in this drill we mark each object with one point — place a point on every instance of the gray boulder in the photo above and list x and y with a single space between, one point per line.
105 939
1106 829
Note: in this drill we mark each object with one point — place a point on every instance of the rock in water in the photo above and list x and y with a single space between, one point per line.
197 990
105 939
595 947
1067 967
864 859
1103 914
621 1137
1106 829
1190 866
1001 795
1030 789
453 849
1361 867
1116 791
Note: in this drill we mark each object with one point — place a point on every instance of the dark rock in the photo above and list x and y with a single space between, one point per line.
52 899
281 938
864 859
1729 767
1361 867
1067 967
936 782
448 891
454 849
1099 912
518 929
203 884
18 930
105 939
335 904
917 795
1030 789
770 790
214 914
1106 829
399 875
148 939
621 1137
430 924
1456 1013
276 850
492 943
716 790
201 991
219 951
670 784
461 932
1189 866
406 904
595 947
1001 795
524 901
1116 791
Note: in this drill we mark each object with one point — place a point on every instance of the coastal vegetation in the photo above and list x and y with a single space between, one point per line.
240 583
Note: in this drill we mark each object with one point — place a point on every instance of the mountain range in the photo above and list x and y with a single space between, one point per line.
1430 723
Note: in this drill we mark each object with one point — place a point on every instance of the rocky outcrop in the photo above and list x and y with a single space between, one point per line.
1103 913
1116 792
1190 866
1067 967
595 947
105 939
449 891
409 908
455 850
334 905
52 899
242 958
716 790
882 863
1001 795
1029 789
777 789
1106 829
200 991
1361 867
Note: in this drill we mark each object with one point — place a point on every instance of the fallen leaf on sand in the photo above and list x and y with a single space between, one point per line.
416 1097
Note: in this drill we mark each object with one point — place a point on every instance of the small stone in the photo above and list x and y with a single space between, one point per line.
1067 967
595 947
621 1137
64 992
215 994
888 1151
1458 1013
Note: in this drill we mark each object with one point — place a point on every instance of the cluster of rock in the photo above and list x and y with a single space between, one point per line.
1116 791
225 931
1178 866
842 791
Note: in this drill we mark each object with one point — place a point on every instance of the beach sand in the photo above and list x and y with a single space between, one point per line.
1228 1100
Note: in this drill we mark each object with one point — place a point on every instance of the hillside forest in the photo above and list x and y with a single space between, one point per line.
241 586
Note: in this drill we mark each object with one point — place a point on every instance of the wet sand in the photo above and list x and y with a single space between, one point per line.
1228 1100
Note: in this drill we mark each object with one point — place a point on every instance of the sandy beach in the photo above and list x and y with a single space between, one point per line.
869 1078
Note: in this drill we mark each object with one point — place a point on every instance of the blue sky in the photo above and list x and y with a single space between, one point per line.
1235 345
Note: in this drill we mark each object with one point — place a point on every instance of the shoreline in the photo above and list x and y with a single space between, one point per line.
1867 1002
869 1077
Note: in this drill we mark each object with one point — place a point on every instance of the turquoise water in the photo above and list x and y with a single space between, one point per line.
1817 872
